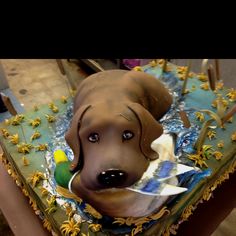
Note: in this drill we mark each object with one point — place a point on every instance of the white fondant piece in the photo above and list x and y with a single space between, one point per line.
164 146
169 190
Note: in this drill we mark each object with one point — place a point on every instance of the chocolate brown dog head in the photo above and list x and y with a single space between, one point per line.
111 134
111 143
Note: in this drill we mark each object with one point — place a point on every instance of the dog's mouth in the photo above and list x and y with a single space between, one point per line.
149 184
117 183
110 190
116 189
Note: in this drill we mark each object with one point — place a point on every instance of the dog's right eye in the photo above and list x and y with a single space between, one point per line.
127 135
93 138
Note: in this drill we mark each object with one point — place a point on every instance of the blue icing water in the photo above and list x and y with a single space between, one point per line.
173 125
170 80
185 140
193 178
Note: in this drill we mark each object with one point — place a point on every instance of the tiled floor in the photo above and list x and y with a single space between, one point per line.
40 81
37 81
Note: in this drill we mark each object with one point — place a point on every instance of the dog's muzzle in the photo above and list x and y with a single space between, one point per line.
112 178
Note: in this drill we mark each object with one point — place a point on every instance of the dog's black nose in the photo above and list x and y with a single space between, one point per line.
112 178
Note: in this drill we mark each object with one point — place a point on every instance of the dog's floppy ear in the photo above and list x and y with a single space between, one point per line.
72 135
150 129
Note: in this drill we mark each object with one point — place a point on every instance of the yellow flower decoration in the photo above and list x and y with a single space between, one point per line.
198 160
233 136
203 154
200 116
72 92
207 194
35 208
35 135
138 222
206 148
224 102
161 62
21 117
50 118
69 210
187 212
64 99
17 119
191 75
5 133
33 204
218 155
205 86
95 227
220 144
51 204
44 191
211 134
70 227
25 192
41 147
24 148
35 178
14 139
52 200
53 107
202 77
47 225
181 76
153 63
231 95
36 122
181 69
138 68
51 209
219 85
159 214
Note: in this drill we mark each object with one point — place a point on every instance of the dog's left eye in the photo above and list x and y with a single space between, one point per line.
93 138
127 135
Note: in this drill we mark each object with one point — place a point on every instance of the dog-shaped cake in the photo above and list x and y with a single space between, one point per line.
115 120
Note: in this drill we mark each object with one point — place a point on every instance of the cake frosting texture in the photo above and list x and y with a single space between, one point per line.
31 161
